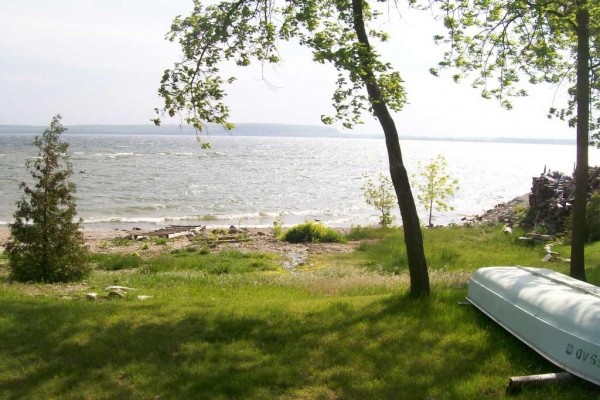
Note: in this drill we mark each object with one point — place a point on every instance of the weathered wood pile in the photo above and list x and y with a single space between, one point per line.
552 197
232 234
169 232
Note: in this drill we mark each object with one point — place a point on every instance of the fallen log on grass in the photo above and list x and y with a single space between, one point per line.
516 383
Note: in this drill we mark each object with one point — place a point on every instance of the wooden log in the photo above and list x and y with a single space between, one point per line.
516 383
526 240
538 236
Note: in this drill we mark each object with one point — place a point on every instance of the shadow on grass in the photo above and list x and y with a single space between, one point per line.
385 349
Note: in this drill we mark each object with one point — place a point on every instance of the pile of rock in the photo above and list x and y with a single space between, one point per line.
509 213
552 197
548 205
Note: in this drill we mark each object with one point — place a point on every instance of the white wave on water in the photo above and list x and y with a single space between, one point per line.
116 155
168 180
127 220
176 154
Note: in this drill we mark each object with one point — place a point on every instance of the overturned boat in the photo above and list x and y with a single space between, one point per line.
555 315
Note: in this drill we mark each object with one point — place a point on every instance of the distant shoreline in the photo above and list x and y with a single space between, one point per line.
261 130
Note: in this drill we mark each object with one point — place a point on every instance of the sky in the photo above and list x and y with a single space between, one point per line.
100 62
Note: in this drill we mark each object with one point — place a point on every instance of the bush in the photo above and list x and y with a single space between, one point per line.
278 227
312 232
592 219
381 196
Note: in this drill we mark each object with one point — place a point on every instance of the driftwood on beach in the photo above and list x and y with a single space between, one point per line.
173 231
169 232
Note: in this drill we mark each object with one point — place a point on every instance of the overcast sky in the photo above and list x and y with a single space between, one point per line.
100 62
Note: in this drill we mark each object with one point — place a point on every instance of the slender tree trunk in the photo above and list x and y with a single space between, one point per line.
417 265
430 212
583 118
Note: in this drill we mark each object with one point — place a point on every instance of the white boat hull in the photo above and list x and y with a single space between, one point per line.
557 316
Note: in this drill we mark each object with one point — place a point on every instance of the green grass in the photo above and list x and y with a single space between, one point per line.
448 249
114 262
227 262
121 242
592 260
342 331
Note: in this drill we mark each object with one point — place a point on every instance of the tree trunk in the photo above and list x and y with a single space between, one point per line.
583 117
413 238
430 213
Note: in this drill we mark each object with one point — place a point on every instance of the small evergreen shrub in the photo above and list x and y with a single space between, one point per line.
312 232
46 244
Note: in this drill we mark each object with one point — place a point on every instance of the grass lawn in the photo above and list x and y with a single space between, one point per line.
237 326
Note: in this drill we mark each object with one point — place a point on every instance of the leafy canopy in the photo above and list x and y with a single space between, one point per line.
246 31
507 41
338 33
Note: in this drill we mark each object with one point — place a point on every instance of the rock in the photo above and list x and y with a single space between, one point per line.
260 234
144 297
91 296
118 288
115 294
135 228
547 257
506 213
507 230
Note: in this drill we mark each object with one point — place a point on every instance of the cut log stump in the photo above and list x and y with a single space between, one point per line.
516 383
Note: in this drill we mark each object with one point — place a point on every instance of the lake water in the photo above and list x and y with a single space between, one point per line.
153 181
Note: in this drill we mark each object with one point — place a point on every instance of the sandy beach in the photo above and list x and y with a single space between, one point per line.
255 239
249 239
